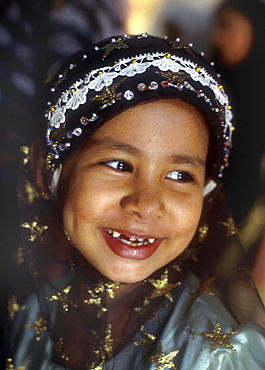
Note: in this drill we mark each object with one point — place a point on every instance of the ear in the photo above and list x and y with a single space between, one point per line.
38 165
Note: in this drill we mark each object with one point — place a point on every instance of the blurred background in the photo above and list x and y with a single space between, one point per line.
37 35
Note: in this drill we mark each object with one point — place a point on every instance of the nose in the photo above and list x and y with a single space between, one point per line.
144 201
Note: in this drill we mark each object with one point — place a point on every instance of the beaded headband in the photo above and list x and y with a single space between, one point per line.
118 73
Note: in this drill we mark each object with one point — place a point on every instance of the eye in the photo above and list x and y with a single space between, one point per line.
181 176
119 165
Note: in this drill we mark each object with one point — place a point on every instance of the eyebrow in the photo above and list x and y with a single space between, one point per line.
188 159
110 144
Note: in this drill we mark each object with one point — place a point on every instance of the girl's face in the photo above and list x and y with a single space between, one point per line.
131 197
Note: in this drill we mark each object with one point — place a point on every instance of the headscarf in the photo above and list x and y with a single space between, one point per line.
245 83
92 87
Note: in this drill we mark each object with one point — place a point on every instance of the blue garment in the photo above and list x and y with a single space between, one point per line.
182 327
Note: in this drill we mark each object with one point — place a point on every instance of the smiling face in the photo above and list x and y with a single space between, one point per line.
131 196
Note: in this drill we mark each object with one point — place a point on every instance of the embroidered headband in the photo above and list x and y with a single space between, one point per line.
118 73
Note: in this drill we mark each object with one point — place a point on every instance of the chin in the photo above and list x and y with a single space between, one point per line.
127 276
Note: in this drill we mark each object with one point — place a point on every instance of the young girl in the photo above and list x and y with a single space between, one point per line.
126 232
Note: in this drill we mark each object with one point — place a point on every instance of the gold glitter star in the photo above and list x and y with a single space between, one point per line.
111 287
99 367
174 78
144 308
146 340
118 44
231 227
162 360
39 325
25 150
109 342
163 287
13 306
203 232
108 94
30 192
58 348
93 300
218 338
63 298
36 230
178 45
177 268
205 287
155 318
19 256
10 366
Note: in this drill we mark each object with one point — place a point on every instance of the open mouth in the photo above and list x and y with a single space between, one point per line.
132 240
130 246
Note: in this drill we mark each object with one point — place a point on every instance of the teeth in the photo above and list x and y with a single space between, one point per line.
133 241
116 234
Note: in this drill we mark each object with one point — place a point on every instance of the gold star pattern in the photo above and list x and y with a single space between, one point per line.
39 325
162 287
108 94
25 150
146 340
58 348
94 299
143 309
174 78
111 287
63 298
19 256
218 338
13 306
230 225
203 232
30 192
162 360
109 342
118 44
36 230
99 367
178 45
205 287
10 366
177 268
155 318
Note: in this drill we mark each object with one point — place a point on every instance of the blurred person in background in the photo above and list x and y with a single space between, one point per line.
239 53
189 20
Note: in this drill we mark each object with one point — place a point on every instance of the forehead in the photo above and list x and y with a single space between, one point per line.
160 121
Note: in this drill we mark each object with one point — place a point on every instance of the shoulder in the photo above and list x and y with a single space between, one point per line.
208 337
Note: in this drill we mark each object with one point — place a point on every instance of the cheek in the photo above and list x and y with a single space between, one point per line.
185 213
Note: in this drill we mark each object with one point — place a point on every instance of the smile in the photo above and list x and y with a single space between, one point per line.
133 241
130 246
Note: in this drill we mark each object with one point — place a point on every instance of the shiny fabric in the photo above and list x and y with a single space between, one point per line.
180 326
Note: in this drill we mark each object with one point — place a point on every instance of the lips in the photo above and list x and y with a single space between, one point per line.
130 246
